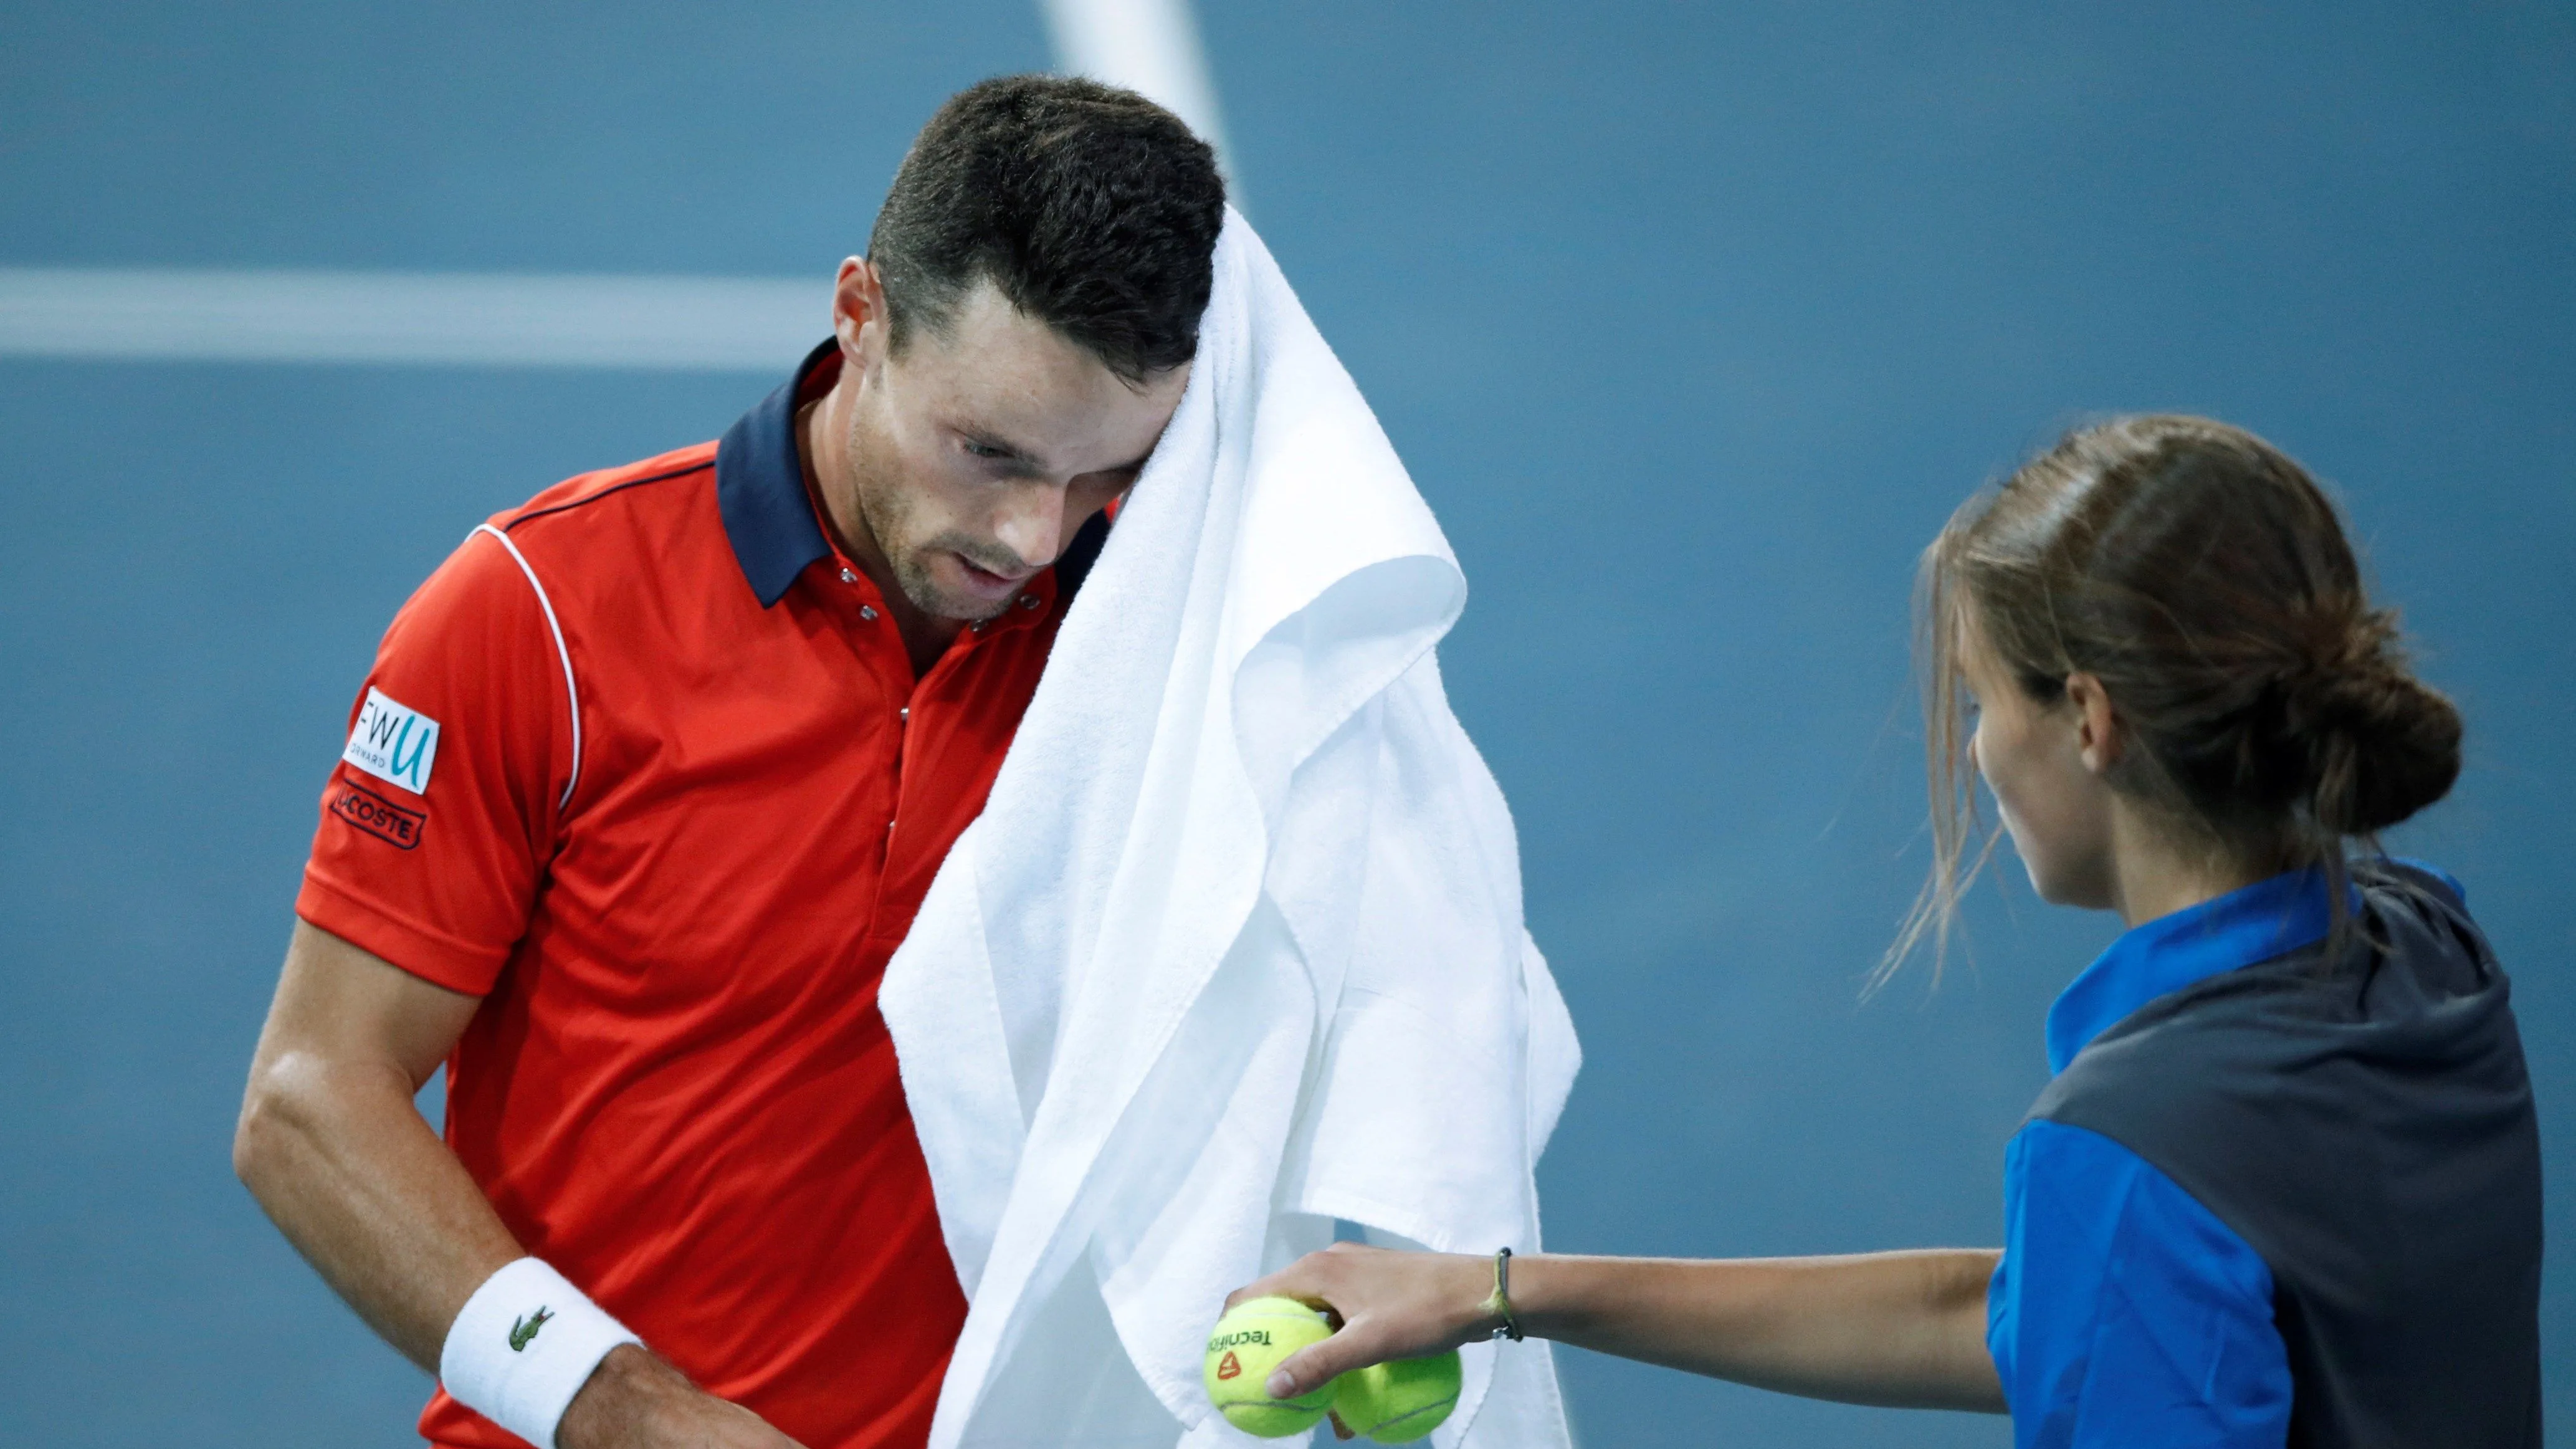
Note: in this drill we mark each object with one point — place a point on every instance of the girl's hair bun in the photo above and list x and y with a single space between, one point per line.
2380 743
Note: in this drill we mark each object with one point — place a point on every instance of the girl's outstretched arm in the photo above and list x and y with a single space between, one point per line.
1900 1329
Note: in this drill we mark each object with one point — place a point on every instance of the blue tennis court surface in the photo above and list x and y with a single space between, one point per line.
1692 322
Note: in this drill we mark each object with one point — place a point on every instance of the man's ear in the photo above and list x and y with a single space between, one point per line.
2098 736
859 309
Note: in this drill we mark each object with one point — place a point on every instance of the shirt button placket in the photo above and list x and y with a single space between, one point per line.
850 575
903 725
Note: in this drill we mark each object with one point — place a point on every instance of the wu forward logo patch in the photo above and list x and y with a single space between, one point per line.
393 742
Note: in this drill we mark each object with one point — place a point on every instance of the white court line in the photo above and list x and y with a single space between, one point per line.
470 319
720 324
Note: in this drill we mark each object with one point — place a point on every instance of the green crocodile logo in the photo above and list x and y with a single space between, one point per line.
523 1331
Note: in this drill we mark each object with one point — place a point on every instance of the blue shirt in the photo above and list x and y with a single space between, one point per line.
2124 1312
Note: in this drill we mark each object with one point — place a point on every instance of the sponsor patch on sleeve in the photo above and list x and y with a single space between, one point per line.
393 742
378 816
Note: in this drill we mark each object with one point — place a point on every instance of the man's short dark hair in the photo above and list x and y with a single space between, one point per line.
1094 211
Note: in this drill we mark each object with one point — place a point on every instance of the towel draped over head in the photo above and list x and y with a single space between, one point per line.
1235 950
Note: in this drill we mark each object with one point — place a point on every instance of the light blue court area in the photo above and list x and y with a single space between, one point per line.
1693 322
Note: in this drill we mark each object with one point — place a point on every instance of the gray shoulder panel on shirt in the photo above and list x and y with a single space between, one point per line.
2365 1125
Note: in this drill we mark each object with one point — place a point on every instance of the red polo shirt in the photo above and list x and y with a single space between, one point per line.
645 766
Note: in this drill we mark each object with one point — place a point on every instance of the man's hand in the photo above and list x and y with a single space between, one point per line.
636 1401
1390 1305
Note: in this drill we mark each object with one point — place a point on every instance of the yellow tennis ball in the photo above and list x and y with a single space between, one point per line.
1399 1402
1248 1343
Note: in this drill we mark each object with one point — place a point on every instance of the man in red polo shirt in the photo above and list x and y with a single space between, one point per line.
643 791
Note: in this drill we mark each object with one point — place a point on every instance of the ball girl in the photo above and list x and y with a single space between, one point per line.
2283 1186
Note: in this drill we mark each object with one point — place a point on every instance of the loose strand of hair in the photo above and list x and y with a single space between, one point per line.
1949 773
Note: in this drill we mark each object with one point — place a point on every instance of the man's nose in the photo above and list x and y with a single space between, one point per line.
1032 524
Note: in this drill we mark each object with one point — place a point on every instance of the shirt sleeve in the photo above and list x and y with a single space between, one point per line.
438 820
2124 1312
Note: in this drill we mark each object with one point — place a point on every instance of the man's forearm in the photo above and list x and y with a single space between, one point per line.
342 1162
380 1207
332 1147
1882 1328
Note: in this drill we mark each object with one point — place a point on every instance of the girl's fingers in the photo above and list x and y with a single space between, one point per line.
1376 1299
1296 1281
1317 1362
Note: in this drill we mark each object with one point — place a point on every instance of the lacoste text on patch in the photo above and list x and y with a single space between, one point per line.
393 742
378 816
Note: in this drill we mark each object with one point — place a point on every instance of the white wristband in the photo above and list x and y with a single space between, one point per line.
524 1344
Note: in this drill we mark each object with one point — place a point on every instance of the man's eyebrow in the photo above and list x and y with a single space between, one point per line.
984 437
1012 452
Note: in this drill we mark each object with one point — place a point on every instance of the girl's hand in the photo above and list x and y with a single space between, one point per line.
1388 1304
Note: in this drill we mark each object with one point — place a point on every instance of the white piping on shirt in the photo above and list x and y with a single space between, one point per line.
571 693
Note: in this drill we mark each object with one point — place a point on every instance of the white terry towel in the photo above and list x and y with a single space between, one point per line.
1235 948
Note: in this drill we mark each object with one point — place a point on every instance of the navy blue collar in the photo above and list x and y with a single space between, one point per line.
2256 923
760 489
